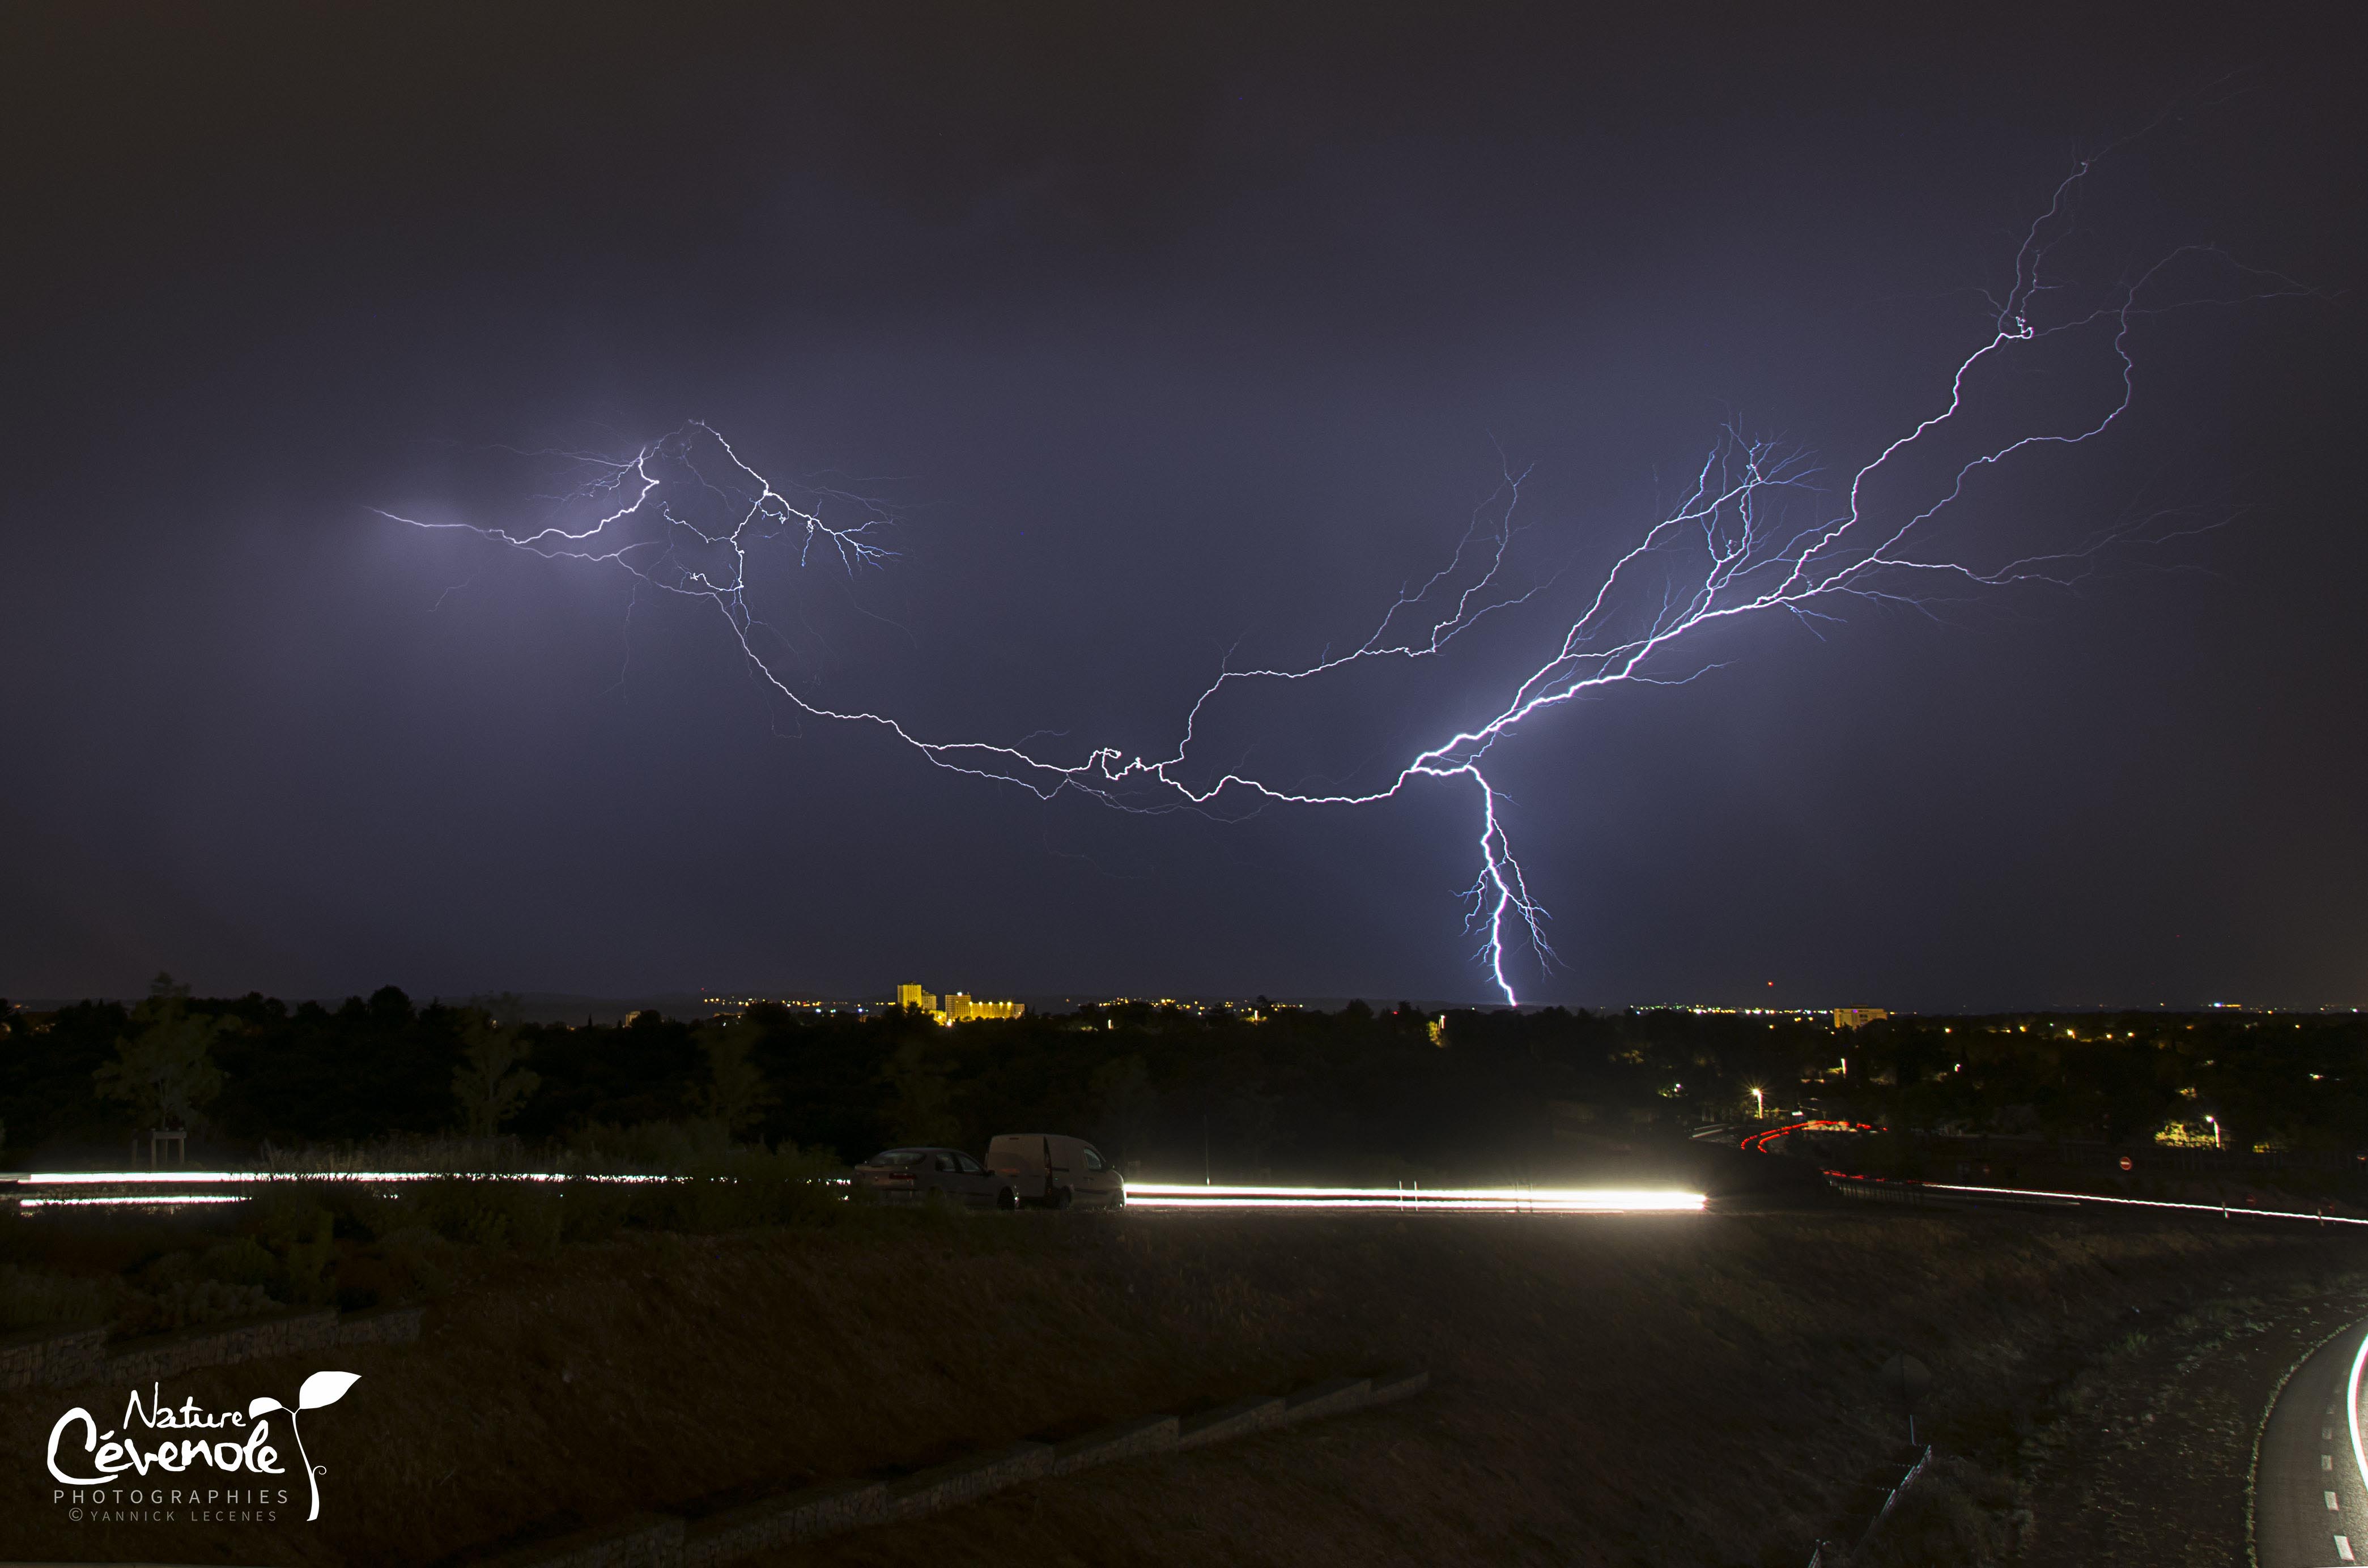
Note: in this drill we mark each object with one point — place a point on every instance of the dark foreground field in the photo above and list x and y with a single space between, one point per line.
1698 1388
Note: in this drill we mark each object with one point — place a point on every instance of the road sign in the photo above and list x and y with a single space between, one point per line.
1907 1379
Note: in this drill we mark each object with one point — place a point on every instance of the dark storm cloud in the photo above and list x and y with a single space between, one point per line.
1167 334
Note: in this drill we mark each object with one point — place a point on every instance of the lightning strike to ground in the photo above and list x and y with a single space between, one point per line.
1730 551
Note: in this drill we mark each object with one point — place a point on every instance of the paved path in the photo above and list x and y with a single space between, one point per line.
2310 1501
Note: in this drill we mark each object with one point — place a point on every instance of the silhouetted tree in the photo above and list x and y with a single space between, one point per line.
922 1111
1127 1108
491 1081
167 1071
737 1094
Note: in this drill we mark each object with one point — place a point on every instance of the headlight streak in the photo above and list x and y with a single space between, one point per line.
1723 554
145 1201
230 1178
172 1190
169 1189
1475 1200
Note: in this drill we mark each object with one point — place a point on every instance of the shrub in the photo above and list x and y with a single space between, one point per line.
37 1299
490 1212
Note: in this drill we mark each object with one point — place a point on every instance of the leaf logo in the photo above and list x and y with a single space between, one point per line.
320 1389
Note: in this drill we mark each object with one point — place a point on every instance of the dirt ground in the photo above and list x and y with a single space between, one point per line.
1692 1389
2145 1457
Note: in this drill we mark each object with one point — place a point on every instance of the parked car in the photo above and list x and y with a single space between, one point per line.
908 1176
1054 1170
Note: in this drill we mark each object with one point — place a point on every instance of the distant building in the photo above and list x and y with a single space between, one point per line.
958 1007
1855 1017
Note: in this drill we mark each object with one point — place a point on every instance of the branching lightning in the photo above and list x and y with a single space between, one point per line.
1733 547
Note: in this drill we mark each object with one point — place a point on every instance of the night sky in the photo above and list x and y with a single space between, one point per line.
1163 331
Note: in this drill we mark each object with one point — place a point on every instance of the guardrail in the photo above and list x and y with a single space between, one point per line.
1959 1194
1893 1496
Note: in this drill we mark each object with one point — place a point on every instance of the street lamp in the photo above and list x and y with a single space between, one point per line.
2216 1130
1758 1102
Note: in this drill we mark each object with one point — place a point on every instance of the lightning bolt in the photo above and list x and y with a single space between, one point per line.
1731 549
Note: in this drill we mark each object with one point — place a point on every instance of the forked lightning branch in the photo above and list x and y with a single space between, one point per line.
1760 533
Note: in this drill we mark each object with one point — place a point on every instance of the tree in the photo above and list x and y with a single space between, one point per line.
1127 1108
491 1083
735 1094
922 1111
167 1071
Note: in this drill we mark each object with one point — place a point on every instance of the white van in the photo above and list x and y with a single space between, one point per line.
1055 1170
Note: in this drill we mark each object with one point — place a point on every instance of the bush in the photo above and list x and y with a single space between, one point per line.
740 1188
241 1261
490 1212
35 1299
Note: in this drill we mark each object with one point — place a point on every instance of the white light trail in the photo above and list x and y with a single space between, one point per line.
239 1178
1736 548
1469 1200
172 1188
145 1201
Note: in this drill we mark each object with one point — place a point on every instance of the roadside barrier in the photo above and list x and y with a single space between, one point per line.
1959 1194
662 1541
1893 1496
1881 1511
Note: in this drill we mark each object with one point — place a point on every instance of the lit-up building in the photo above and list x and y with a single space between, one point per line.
959 1008
1857 1017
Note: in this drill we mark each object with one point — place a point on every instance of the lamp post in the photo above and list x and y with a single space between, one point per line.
2216 1130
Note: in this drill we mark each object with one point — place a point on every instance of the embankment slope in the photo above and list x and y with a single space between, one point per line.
1696 1387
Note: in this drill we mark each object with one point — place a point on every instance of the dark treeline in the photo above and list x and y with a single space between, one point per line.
1164 1090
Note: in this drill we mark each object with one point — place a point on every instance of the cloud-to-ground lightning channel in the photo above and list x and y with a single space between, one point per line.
1733 547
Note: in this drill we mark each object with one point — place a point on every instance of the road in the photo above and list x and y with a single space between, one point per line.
2311 1502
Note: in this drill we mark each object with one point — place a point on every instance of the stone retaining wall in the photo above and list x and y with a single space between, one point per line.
656 1540
1123 1442
638 1540
1239 1419
806 1514
50 1359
